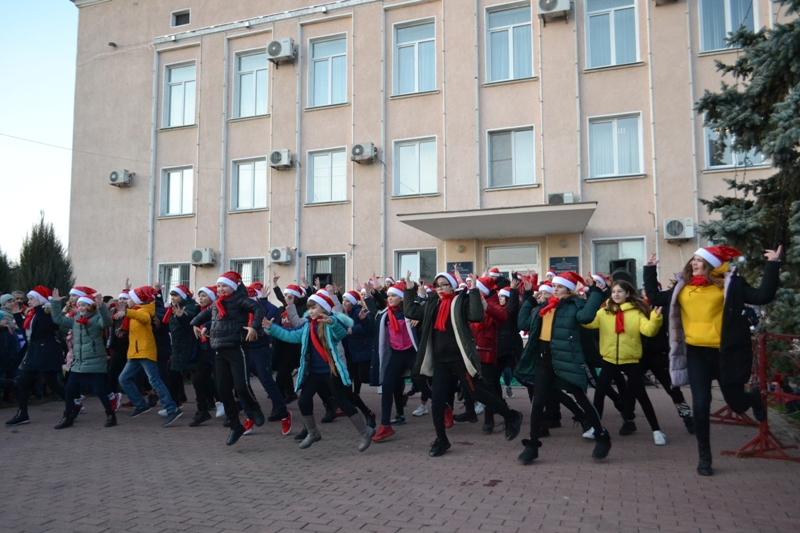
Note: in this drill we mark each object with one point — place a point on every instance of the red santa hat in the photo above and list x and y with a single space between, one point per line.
397 289
486 285
569 280
322 300
463 285
716 255
86 300
428 287
505 293
601 281
353 297
295 290
80 290
210 291
550 274
40 293
182 291
450 279
231 279
143 295
124 295
546 287
389 279
252 293
494 272
258 287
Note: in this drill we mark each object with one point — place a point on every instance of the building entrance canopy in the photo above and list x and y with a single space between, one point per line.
503 222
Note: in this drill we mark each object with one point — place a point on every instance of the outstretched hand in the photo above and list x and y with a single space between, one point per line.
56 297
651 261
657 310
252 334
774 255
267 324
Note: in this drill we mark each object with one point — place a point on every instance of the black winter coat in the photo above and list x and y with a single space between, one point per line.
509 341
44 349
229 332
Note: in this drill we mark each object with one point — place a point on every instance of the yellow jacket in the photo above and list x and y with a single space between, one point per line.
142 342
624 348
701 314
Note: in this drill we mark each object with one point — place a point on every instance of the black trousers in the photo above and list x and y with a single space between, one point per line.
393 382
614 395
26 380
175 386
286 359
658 364
231 373
359 374
635 390
443 373
95 382
203 381
315 383
116 363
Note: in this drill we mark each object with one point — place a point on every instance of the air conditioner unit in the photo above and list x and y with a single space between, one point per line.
280 255
202 257
560 198
120 178
664 2
552 9
363 152
281 50
280 159
678 228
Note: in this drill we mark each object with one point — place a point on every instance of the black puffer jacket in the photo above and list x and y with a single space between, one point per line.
509 342
229 332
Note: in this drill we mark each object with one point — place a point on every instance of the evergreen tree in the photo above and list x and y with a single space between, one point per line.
6 274
761 110
43 260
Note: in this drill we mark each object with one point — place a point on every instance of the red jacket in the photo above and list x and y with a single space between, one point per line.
485 333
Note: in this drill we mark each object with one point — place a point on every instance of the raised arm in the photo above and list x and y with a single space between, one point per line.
765 292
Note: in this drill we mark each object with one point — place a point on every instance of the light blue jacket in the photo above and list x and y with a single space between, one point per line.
335 332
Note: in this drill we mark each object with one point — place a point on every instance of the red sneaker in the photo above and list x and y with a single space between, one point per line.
448 417
384 432
339 412
249 424
128 405
286 423
114 402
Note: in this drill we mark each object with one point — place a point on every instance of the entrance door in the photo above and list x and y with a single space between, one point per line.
518 257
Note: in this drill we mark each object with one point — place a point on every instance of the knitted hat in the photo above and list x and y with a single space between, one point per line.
258 287
82 291
716 255
40 293
486 285
601 281
231 279
505 293
124 295
546 287
182 291
450 279
569 280
322 300
4 299
295 290
353 297
210 291
397 289
143 295
494 272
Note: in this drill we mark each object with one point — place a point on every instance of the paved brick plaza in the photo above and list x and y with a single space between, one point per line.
140 477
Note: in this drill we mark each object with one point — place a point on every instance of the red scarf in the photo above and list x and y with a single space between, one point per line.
552 303
28 320
619 324
167 315
317 343
699 281
444 311
220 308
126 322
393 319
82 320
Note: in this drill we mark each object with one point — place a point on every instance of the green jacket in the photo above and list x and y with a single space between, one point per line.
182 335
565 338
89 348
464 309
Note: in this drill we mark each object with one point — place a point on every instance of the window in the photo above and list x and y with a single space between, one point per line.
510 44
173 274
250 185
180 96
415 167
422 264
328 268
250 269
716 158
611 29
614 147
613 250
251 82
718 18
176 191
328 72
517 258
511 158
327 177
415 59
180 18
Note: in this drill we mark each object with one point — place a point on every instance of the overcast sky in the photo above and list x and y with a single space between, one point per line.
37 88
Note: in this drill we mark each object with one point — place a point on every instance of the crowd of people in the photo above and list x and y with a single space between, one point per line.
453 338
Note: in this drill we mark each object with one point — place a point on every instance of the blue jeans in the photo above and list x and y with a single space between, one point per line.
132 367
260 362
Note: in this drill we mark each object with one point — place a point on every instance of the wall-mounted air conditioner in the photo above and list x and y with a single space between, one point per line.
553 9
281 50
120 178
280 159
678 228
556 198
363 152
202 257
280 255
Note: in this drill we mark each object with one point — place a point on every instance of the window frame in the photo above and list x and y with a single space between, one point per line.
396 164
730 139
395 58
614 118
537 245
234 189
166 111
164 192
237 85
310 174
312 61
173 15
618 240
399 273
487 41
513 129
587 39
166 283
728 24
311 273
232 262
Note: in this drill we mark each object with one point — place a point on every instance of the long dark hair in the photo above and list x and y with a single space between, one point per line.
633 298
687 273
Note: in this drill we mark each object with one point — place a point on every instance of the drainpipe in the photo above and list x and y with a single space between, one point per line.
298 117
383 142
353 164
692 119
477 105
541 113
153 139
653 130
444 114
223 194
578 106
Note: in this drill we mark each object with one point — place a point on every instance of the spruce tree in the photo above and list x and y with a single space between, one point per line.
6 274
43 260
761 110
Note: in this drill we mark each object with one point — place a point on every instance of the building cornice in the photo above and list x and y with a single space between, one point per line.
86 3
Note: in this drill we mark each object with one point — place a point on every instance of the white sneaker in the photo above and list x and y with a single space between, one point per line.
380 389
659 438
589 434
478 408
119 400
220 410
162 412
420 411
509 392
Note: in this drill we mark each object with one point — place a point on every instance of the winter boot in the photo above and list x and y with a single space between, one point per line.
602 445
111 419
69 418
330 414
364 431
20 418
704 464
530 453
313 432
757 402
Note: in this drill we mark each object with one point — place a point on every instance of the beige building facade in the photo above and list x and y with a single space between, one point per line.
361 136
